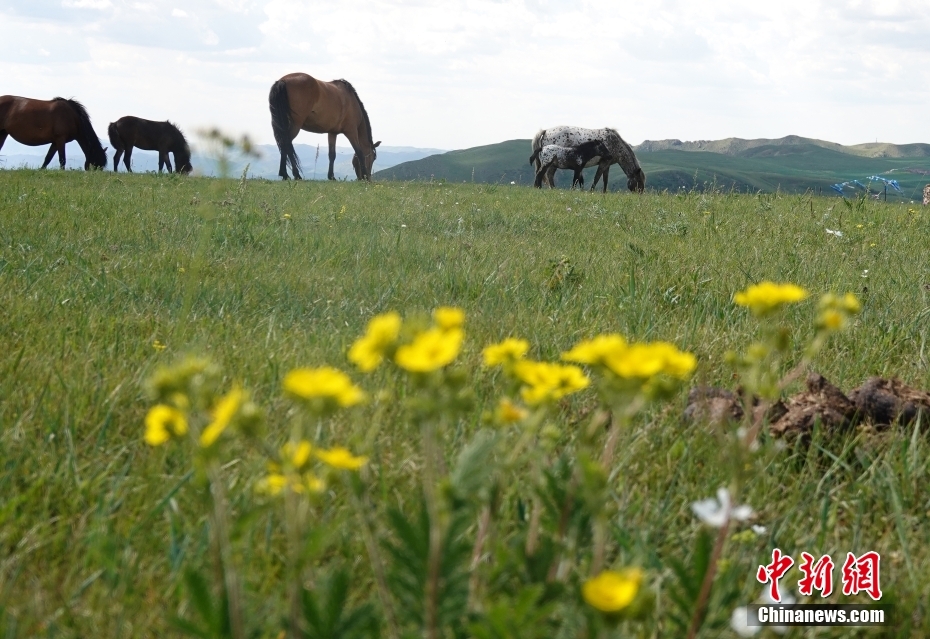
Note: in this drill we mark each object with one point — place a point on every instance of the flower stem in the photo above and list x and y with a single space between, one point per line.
434 553
221 540
704 595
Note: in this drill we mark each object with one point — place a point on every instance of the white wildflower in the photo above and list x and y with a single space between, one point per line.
717 512
739 622
836 233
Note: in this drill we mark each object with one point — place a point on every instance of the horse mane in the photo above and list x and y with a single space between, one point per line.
180 134
348 85
178 130
626 146
86 137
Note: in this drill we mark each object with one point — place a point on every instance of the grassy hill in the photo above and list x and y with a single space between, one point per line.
107 281
791 164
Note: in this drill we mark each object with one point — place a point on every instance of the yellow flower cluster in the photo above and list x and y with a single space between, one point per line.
545 382
162 423
835 311
765 298
633 361
506 352
222 414
324 383
369 350
611 591
429 350
508 413
596 351
294 471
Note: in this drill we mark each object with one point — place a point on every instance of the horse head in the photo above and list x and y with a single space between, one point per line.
98 162
636 181
364 172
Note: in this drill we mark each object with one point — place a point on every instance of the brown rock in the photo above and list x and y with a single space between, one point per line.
889 401
821 402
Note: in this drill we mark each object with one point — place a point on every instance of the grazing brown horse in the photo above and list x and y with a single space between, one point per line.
56 122
164 137
298 101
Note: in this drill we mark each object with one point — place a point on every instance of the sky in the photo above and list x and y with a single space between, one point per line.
453 74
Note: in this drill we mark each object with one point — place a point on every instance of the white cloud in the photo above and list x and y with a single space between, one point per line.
86 4
457 73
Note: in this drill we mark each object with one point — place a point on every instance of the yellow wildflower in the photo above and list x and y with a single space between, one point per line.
323 383
430 350
223 415
274 483
158 346
596 350
340 458
851 303
835 311
549 382
831 319
509 413
646 360
368 351
505 352
765 297
449 317
612 591
162 423
297 454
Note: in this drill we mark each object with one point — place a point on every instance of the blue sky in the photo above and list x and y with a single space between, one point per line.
460 73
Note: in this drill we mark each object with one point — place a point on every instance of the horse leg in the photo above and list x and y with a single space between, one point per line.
61 155
282 171
3 135
539 176
116 157
127 159
602 172
550 176
52 150
168 162
332 155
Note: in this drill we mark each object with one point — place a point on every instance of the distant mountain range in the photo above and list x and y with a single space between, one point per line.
15 155
791 164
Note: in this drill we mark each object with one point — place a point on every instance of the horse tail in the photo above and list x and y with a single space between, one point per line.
113 134
281 123
537 145
86 136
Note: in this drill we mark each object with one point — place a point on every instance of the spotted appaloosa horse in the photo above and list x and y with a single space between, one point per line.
553 156
927 195
620 152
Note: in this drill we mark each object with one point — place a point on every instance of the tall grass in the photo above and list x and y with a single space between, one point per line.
96 529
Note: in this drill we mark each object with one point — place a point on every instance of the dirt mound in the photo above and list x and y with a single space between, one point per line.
878 401
822 402
889 401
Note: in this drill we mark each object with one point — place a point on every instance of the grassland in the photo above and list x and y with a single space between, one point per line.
97 529
791 165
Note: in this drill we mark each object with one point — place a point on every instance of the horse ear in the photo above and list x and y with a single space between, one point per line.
377 144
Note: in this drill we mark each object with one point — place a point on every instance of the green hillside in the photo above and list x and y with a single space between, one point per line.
791 164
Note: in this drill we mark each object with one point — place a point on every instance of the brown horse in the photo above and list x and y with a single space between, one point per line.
298 101
164 137
56 122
